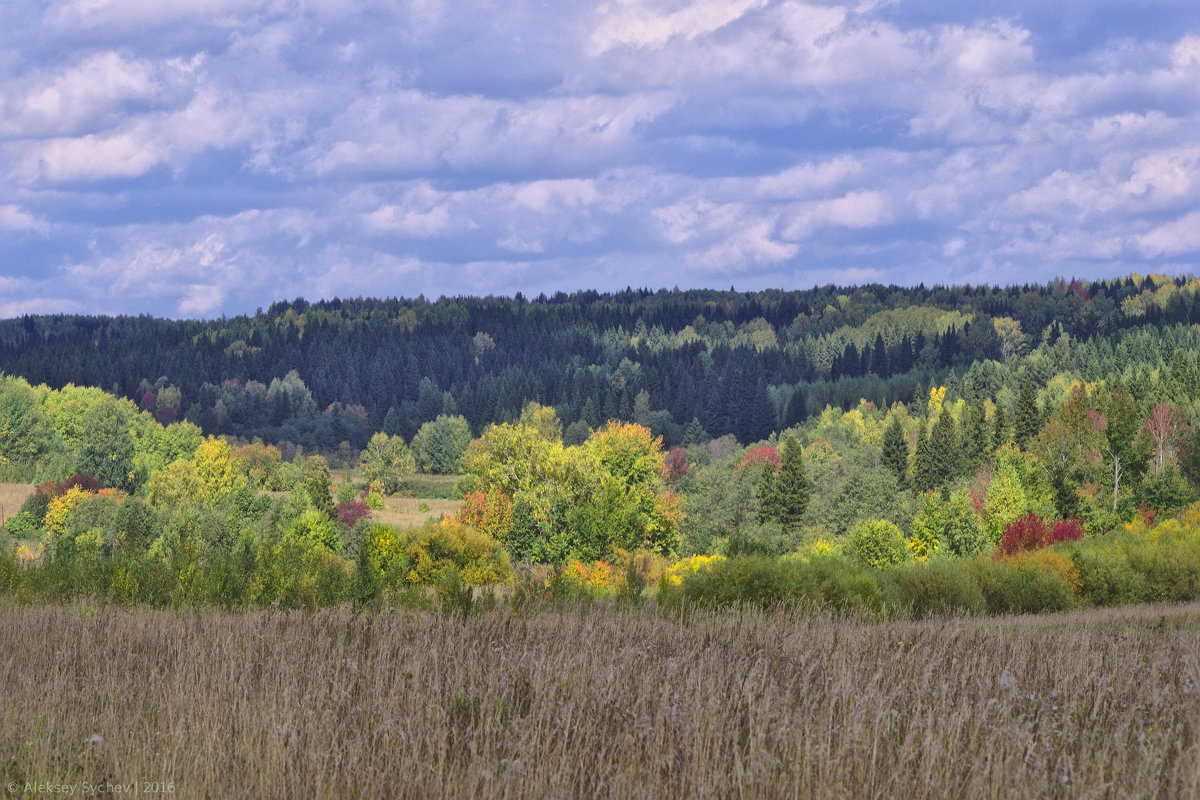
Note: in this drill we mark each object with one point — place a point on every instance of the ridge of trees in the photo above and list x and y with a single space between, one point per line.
721 362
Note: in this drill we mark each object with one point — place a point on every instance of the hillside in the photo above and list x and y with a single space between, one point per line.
735 363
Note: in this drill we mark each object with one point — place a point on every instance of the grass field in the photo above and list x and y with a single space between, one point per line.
599 703
405 511
12 497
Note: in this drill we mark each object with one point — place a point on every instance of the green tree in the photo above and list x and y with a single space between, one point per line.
767 494
944 449
1006 499
792 486
999 428
976 437
439 445
1125 450
924 469
106 447
386 460
543 419
895 449
1027 421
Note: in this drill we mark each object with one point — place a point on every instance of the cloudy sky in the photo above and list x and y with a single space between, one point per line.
206 157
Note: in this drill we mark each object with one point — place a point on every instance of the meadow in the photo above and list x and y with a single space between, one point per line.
591 701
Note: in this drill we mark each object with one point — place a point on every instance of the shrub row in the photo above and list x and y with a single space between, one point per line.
1120 568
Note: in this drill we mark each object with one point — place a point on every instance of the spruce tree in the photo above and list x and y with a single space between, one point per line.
791 486
999 428
767 493
944 449
923 467
1026 419
976 437
895 449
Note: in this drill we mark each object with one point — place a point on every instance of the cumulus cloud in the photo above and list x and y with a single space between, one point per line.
202 157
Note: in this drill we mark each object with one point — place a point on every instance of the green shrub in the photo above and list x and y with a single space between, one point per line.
1020 589
877 543
1169 566
830 584
1105 574
934 587
36 505
23 526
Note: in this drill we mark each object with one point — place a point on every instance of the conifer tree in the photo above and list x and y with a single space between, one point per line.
767 493
895 449
944 448
1026 419
923 467
976 437
791 486
999 428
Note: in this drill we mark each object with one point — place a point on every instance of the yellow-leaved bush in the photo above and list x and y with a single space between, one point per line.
437 546
675 574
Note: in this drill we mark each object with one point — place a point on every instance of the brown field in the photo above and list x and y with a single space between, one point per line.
599 703
405 511
12 497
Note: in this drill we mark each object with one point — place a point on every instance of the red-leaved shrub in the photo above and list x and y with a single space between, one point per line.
1031 532
1065 530
84 481
1024 533
351 512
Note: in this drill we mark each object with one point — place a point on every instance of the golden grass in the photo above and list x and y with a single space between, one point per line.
596 703
12 497
406 511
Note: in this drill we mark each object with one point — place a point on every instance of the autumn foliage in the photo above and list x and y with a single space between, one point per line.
1031 532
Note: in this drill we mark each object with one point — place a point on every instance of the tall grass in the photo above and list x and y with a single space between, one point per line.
602 703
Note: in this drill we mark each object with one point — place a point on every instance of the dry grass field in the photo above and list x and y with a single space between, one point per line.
405 511
599 703
12 497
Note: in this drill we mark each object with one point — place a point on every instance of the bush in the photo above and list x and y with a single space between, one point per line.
1030 532
1024 533
1106 576
935 587
350 512
23 526
1169 565
827 583
437 546
35 506
1012 587
877 543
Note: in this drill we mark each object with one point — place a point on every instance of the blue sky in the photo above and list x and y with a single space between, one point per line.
206 157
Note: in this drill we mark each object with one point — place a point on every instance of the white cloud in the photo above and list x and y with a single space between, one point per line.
203 156
12 218
1173 238
638 23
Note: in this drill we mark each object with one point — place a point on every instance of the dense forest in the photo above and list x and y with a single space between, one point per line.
716 362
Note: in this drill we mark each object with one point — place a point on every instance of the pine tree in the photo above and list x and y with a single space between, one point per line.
895 449
1026 419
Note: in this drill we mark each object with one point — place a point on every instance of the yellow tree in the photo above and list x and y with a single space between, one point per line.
221 473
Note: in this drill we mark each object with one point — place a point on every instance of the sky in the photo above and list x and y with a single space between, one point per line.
199 158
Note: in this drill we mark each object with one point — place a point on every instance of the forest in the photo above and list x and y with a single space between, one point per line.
745 364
